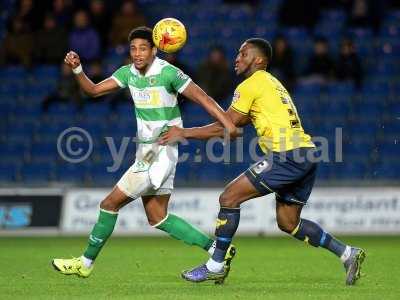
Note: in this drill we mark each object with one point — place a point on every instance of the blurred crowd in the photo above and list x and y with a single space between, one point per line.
40 32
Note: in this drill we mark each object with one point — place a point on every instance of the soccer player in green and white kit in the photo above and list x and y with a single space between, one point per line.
154 84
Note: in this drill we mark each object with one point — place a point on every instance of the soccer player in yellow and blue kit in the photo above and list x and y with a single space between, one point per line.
288 169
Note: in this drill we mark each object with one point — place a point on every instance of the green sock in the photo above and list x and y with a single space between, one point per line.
100 233
182 230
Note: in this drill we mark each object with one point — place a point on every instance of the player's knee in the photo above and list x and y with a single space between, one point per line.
155 219
287 225
226 199
109 205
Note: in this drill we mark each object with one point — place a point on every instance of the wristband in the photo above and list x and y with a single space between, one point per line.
77 70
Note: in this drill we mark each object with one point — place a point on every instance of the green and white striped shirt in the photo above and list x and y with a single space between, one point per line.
154 95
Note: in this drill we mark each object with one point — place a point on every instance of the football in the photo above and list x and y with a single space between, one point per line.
169 35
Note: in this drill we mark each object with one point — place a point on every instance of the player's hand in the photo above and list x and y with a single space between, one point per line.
173 135
232 131
72 59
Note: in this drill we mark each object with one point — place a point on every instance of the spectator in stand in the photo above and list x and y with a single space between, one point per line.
17 46
67 90
215 76
62 11
83 38
320 68
348 66
282 62
365 13
304 13
51 42
101 20
123 22
29 15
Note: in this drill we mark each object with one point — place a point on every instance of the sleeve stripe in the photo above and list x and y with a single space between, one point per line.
118 82
184 86
239 111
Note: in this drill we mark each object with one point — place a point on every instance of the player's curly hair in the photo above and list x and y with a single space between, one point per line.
263 45
142 32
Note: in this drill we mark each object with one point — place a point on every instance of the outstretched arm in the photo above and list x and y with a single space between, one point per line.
196 94
89 87
205 132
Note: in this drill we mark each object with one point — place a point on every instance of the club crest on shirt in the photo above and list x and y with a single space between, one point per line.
236 96
152 80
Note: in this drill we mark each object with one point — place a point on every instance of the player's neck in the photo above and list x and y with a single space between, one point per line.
144 70
251 72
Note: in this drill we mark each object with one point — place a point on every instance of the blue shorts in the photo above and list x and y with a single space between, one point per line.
290 175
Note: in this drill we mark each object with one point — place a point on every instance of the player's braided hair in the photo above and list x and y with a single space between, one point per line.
263 45
142 32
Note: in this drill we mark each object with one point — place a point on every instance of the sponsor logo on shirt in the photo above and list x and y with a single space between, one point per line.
145 97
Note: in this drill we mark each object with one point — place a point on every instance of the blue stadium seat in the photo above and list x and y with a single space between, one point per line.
29 110
324 171
37 172
307 90
46 72
333 16
361 33
8 172
71 173
184 174
358 148
100 109
126 111
21 127
392 17
389 149
13 72
390 31
392 127
386 170
353 170
44 152
209 172
365 127
62 109
98 173
344 89
13 149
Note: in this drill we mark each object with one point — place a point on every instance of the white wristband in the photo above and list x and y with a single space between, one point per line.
77 70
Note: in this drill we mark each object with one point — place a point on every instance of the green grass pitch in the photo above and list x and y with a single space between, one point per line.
149 268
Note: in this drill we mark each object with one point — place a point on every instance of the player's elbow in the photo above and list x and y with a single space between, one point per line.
93 91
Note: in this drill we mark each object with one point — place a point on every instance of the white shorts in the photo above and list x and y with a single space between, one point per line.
155 178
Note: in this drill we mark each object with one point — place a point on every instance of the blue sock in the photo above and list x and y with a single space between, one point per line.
314 235
227 224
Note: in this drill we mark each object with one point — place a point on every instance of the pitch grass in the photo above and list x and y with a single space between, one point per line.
149 268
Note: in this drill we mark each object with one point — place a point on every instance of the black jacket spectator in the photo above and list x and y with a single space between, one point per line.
17 46
320 65
214 75
348 66
281 65
51 42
